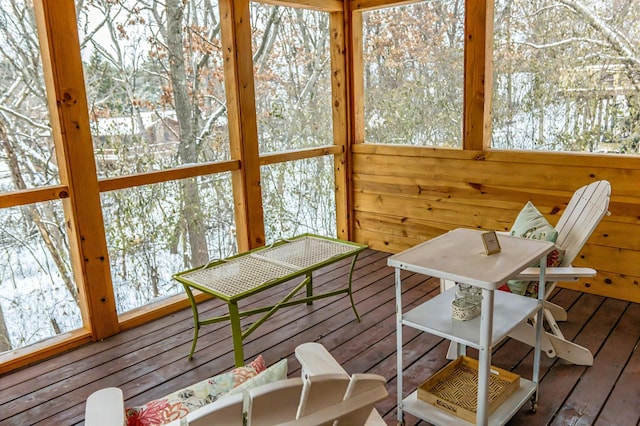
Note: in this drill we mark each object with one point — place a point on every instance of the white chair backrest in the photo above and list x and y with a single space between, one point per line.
321 391
274 403
359 386
327 399
351 408
104 407
581 217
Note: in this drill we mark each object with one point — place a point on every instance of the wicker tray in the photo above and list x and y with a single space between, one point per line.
455 388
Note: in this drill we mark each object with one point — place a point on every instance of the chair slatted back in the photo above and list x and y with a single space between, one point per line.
318 400
360 385
226 411
581 217
351 404
274 403
321 391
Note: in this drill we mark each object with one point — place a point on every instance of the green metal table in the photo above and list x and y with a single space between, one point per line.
255 271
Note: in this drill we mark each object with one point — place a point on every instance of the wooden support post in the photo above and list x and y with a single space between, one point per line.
356 68
478 74
243 129
342 135
67 98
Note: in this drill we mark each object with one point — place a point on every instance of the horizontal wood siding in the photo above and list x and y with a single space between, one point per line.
406 195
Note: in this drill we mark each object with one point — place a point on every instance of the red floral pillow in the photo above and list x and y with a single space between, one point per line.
182 402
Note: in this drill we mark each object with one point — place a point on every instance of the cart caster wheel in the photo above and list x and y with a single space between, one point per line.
400 424
534 407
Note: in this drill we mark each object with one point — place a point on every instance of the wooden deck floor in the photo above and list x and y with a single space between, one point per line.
151 361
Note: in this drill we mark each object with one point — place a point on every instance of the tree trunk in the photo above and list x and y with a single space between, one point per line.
52 242
187 150
5 342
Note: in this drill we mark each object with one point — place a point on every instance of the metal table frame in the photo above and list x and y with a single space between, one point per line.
459 256
239 277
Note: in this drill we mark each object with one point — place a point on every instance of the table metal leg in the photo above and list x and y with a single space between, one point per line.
310 287
484 358
236 333
399 371
539 331
353 305
196 319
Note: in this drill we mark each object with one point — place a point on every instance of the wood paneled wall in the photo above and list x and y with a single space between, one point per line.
405 195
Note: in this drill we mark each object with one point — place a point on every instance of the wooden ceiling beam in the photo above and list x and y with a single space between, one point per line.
362 5
319 5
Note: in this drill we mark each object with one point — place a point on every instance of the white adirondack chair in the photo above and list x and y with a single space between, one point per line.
325 395
585 210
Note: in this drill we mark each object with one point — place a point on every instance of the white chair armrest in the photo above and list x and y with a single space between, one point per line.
105 407
562 273
315 360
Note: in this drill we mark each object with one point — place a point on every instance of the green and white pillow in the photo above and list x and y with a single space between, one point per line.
530 223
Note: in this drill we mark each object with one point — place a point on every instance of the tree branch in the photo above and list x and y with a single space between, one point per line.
616 41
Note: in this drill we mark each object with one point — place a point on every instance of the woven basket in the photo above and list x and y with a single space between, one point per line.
465 309
455 388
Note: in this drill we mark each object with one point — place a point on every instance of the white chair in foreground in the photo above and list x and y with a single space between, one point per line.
315 360
330 397
585 210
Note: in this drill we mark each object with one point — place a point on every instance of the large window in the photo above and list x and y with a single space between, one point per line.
413 74
292 77
155 86
27 158
38 295
149 238
567 76
154 83
293 104
299 198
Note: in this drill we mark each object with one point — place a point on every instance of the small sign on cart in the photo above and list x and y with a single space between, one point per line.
491 243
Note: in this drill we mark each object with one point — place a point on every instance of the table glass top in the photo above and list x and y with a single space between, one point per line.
244 273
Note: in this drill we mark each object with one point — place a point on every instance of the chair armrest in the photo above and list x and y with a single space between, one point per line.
105 407
315 359
561 273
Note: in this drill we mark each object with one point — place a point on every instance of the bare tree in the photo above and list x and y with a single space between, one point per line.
567 75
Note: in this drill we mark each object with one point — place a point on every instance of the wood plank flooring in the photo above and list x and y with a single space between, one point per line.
151 361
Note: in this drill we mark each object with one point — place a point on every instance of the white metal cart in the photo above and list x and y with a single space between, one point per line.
459 256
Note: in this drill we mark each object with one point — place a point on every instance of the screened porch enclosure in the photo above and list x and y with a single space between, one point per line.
140 141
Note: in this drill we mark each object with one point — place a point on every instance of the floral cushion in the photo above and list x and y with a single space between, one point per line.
274 373
182 402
